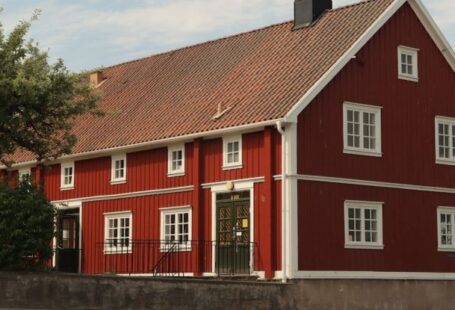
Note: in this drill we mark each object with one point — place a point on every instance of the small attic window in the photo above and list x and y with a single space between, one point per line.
408 68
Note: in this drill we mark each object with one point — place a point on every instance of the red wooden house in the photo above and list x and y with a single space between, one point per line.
318 148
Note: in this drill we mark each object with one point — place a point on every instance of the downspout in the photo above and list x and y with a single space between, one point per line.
283 202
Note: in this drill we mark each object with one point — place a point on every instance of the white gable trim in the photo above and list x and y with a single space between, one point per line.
434 31
343 61
424 18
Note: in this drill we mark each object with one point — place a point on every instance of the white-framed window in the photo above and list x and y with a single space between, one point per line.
118 169
445 140
176 223
118 229
408 66
362 129
363 225
67 175
232 152
176 160
24 174
446 228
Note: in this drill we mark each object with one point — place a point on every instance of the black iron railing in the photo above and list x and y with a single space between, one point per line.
177 259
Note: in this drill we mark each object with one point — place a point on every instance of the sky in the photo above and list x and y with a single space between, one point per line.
88 34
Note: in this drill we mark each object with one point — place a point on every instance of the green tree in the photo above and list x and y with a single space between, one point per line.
39 102
26 227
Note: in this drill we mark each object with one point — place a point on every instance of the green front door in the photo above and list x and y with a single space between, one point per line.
233 233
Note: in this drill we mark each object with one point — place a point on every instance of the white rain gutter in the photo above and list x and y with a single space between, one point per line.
283 202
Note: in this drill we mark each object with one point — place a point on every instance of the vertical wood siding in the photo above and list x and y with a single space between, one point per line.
408 145
408 111
148 170
409 230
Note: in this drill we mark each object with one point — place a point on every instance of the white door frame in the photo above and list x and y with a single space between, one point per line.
66 206
239 186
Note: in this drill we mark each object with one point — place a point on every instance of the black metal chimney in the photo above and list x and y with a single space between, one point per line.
308 11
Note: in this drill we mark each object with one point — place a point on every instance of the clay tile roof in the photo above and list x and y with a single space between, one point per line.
260 75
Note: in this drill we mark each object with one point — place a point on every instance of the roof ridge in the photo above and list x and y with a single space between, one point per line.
198 44
361 2
348 6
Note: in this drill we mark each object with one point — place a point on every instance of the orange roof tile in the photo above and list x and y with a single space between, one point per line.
260 75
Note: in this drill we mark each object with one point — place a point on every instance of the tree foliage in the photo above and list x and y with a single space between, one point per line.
26 227
38 101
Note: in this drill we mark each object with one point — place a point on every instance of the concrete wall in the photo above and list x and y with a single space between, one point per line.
104 292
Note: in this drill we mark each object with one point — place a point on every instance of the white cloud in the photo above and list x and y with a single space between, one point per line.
89 33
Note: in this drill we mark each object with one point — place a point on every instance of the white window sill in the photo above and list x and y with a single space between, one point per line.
175 174
178 248
445 162
233 166
362 152
446 249
408 78
364 246
67 188
117 251
115 182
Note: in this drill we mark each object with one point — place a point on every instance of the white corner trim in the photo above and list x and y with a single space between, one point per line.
237 183
375 275
358 182
339 65
130 194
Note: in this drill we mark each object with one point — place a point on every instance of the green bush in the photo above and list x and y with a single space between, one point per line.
26 227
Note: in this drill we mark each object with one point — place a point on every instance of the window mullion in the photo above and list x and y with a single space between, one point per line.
450 134
361 132
362 225
452 232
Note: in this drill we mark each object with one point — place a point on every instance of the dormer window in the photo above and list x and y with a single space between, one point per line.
67 176
118 170
232 152
176 160
408 63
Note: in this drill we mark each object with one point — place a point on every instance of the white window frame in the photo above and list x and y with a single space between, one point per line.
451 123
226 141
450 211
184 246
361 150
414 53
64 166
21 173
379 244
114 159
171 150
117 249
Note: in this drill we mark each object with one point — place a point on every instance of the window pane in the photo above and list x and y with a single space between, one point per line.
409 61
403 58
403 68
